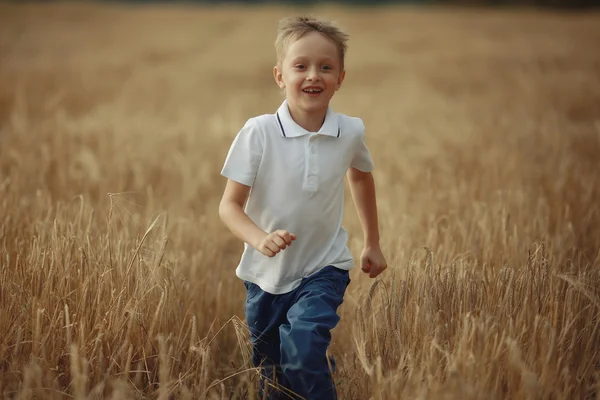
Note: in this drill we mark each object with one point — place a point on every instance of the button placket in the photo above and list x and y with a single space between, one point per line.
312 182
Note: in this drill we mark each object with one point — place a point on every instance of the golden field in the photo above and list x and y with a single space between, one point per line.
117 277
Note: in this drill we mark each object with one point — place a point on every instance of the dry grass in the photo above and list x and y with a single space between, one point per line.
117 276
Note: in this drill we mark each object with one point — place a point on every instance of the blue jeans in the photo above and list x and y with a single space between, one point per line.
290 334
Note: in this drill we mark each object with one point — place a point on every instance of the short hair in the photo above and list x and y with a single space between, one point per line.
292 29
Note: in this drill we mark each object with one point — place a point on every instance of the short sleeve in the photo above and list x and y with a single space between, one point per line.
244 156
362 156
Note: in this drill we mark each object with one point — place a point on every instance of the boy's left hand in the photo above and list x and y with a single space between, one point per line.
372 261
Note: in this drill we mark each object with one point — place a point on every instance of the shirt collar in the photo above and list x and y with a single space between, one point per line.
289 128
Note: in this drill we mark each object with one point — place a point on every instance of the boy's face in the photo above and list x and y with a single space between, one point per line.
310 72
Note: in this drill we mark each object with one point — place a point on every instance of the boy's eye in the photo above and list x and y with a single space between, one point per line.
326 67
300 66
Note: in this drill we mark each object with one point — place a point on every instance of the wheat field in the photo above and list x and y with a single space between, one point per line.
117 277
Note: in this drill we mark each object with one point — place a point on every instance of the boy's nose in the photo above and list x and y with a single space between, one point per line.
313 74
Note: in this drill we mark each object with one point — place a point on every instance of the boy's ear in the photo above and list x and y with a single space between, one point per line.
340 80
278 77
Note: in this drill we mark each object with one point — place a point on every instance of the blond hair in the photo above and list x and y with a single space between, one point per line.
292 29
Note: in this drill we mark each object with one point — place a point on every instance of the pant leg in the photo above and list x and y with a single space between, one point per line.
265 312
307 334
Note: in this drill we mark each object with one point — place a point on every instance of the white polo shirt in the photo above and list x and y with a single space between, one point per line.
297 184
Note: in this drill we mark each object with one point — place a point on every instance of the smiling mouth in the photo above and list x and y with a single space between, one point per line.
312 90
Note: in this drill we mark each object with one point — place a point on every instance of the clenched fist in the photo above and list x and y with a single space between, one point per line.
274 242
372 261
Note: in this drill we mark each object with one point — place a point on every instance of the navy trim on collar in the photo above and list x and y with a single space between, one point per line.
294 130
281 126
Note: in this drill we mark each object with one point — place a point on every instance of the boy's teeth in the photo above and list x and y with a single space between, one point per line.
312 90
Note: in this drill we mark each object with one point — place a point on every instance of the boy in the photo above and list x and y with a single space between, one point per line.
284 199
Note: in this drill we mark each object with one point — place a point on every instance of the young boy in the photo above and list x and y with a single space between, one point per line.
284 199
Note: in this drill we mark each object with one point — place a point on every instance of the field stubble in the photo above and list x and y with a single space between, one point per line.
117 276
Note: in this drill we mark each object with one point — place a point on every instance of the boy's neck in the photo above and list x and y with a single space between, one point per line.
312 122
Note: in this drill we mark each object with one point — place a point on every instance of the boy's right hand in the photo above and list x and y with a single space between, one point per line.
274 242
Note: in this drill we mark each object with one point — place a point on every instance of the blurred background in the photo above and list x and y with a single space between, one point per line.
117 276
563 4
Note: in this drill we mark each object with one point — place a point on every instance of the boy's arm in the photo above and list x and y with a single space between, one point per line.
362 188
231 212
